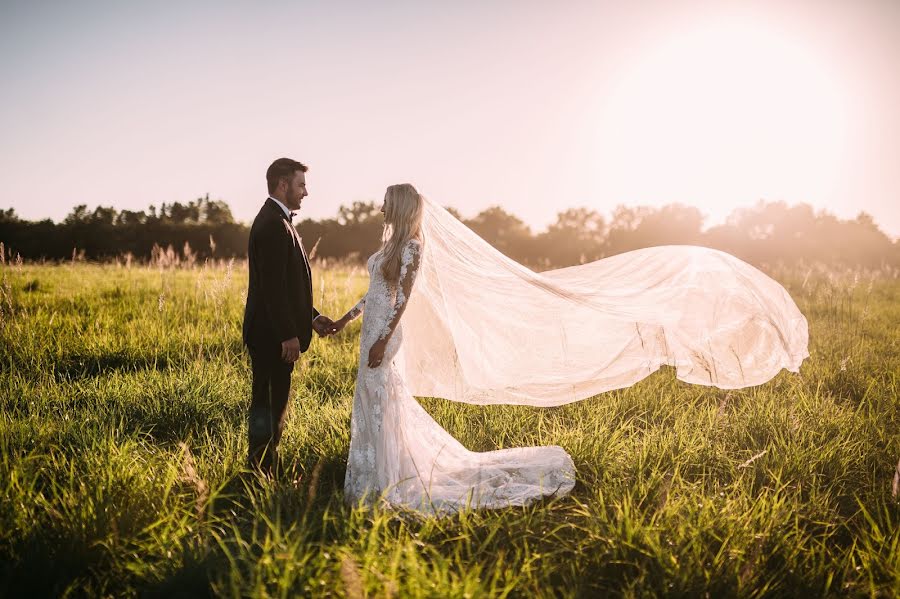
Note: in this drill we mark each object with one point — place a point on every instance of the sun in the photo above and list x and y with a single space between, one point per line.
719 116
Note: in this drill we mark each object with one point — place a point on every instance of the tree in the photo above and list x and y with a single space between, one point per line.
625 220
357 213
642 226
181 213
671 224
128 218
216 212
576 237
78 215
104 215
504 231
453 212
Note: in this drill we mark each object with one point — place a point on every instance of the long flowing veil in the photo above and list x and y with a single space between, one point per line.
481 328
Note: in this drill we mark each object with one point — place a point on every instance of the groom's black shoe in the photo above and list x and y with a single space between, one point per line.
265 463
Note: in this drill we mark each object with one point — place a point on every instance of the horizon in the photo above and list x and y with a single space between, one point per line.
705 226
514 105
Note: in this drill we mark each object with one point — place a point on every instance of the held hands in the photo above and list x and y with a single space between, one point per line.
323 325
326 327
338 325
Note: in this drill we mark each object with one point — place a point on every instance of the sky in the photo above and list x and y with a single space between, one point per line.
533 106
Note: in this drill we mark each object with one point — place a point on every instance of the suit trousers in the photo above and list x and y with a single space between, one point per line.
268 406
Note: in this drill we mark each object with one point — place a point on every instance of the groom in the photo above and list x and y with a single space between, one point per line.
279 317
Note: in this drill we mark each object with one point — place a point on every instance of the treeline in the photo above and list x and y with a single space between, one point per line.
767 233
105 233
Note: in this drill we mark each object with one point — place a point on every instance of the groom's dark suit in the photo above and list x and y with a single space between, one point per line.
279 308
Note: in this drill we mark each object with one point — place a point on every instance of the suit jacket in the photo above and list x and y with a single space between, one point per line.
279 296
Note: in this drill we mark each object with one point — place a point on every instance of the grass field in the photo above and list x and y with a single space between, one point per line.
123 397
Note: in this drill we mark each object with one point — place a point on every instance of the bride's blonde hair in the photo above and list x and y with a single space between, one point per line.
403 207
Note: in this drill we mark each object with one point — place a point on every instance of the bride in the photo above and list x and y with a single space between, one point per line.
446 315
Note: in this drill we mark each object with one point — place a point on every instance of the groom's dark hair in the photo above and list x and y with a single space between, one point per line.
281 169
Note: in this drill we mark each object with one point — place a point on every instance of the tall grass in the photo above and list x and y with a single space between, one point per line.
123 398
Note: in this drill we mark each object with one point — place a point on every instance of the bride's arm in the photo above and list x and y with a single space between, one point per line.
349 317
355 311
409 268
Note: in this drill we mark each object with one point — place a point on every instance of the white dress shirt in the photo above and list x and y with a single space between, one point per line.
287 212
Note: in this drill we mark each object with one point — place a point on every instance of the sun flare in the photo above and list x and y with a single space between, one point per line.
730 105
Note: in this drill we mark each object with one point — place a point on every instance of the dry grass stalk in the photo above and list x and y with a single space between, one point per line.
754 458
189 475
164 258
351 578
895 487
312 252
723 405
314 480
664 492
190 258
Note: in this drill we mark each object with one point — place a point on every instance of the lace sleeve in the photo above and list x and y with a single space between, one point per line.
410 260
356 310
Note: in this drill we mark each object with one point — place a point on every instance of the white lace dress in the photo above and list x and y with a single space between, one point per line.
400 455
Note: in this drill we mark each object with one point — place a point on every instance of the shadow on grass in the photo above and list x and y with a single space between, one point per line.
51 566
82 366
302 491
191 579
45 567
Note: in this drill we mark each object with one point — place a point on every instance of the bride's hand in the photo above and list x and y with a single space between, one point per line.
337 326
376 353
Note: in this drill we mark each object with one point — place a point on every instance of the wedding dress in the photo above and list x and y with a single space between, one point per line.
400 454
479 328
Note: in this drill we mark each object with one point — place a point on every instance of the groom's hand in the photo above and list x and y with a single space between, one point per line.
290 350
323 325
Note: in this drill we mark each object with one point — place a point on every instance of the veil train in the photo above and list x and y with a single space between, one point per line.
482 329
